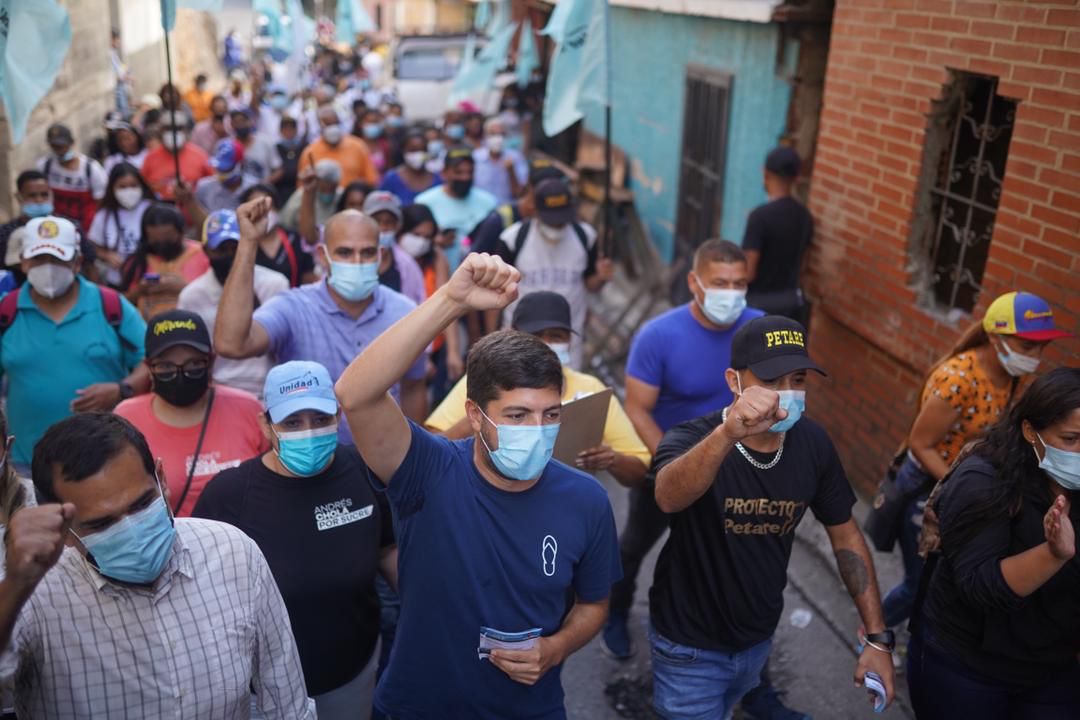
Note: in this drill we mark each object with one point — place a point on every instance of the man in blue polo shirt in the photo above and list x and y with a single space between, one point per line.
493 535
671 377
328 322
68 345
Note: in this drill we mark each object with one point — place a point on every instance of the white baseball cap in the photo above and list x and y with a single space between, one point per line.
50 235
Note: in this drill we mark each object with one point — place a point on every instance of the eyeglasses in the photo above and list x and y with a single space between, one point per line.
167 371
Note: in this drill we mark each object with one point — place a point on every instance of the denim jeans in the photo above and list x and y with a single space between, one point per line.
943 687
694 684
899 601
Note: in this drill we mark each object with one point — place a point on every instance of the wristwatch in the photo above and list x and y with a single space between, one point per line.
126 391
885 641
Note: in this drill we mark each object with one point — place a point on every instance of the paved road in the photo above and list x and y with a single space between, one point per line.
813 665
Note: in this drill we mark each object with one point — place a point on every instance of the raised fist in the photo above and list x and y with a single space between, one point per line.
35 540
483 282
754 412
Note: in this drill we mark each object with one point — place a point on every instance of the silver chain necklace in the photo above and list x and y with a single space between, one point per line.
749 458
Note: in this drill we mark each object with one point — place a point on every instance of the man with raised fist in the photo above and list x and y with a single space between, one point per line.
113 608
495 538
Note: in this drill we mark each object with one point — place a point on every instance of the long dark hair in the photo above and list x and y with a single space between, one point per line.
123 170
355 186
414 215
156 215
1049 400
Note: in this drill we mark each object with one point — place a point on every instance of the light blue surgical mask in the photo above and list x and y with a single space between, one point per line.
136 548
436 148
327 198
67 156
562 350
455 131
395 121
372 131
387 238
524 450
307 452
279 102
1062 465
354 281
37 209
722 306
794 401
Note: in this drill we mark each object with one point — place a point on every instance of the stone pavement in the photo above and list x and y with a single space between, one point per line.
813 665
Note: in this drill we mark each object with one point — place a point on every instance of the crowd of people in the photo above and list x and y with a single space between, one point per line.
285 375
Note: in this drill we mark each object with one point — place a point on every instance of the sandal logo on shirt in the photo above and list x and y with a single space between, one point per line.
338 513
548 551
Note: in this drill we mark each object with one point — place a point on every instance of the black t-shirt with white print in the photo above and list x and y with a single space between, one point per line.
322 538
720 578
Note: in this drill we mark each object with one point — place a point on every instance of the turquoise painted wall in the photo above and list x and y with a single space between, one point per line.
650 52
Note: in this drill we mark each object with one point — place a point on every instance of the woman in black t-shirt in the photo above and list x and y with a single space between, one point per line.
1000 631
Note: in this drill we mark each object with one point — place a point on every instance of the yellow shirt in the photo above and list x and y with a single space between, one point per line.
619 433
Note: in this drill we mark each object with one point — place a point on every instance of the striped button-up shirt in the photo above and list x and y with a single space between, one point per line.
210 631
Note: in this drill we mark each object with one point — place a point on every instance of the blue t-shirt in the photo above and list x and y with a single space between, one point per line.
392 183
46 361
676 353
473 555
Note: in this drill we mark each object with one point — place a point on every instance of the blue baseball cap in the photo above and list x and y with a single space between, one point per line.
227 155
298 385
220 226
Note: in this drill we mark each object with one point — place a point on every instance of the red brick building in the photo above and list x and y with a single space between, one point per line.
947 172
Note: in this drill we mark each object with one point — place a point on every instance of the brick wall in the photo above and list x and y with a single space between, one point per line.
888 60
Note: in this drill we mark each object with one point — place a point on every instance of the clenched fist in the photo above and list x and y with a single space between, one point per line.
35 539
754 412
251 216
483 282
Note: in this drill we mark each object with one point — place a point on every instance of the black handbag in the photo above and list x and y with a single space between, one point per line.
886 517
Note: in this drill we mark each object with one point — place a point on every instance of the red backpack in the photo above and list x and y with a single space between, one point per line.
110 305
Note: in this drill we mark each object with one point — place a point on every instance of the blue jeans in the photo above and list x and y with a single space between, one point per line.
898 603
694 684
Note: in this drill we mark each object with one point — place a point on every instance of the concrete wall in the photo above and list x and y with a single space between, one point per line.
887 66
650 52
83 90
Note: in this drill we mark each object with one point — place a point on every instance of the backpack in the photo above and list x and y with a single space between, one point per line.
110 306
523 232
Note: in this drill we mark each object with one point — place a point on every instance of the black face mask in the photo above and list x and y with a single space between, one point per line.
221 267
242 133
219 118
166 250
182 391
460 188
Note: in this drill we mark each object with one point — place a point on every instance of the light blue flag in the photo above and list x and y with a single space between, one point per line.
168 9
477 76
34 38
352 19
527 58
580 70
503 17
483 15
302 31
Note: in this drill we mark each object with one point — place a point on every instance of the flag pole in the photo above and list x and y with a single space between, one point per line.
172 113
609 208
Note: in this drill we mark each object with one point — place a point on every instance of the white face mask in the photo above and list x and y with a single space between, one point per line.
416 160
562 350
332 134
167 140
415 245
1015 363
50 279
128 197
495 143
549 233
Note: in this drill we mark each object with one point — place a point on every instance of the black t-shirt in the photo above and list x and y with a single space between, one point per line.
780 230
392 277
972 611
284 264
720 578
485 238
290 166
322 538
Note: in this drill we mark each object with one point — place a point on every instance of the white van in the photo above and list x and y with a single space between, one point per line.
424 70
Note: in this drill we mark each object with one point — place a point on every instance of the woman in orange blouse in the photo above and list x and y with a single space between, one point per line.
965 394
163 264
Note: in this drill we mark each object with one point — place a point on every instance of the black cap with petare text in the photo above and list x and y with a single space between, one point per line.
771 347
176 327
